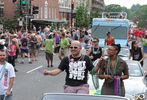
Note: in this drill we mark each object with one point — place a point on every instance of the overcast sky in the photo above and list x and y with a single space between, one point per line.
126 3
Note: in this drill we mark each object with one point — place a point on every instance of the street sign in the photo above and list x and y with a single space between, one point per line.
30 16
25 2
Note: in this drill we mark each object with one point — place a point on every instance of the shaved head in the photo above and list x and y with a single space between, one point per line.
77 43
76 48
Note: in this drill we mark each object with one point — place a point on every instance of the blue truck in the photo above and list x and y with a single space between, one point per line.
116 26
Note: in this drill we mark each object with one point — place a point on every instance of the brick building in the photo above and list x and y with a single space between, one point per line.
53 10
48 9
9 8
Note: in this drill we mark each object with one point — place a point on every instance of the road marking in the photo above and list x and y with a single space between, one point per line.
34 69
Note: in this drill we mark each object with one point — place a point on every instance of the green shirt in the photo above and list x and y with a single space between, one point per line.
144 42
49 45
64 43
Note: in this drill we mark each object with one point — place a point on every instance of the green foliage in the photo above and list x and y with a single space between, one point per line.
136 13
8 24
113 8
82 18
135 7
94 14
17 10
143 16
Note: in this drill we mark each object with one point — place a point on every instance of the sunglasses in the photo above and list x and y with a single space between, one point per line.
74 47
94 41
111 49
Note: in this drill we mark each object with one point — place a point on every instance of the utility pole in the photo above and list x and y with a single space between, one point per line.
72 9
30 7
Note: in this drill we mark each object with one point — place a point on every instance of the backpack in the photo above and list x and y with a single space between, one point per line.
24 42
76 37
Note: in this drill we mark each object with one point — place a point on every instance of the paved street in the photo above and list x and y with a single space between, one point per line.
30 86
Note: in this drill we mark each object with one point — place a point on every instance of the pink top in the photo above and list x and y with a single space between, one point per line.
10 50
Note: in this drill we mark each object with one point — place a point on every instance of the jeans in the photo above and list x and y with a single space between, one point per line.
2 97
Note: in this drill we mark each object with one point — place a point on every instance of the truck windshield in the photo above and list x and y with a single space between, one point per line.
118 32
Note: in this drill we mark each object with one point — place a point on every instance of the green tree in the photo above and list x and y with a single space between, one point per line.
82 18
94 14
17 10
143 16
113 8
135 8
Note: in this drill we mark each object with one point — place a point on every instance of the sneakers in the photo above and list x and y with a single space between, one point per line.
30 62
52 66
15 70
22 62
54 54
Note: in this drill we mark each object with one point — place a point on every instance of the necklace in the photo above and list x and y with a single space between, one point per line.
96 52
2 71
109 71
72 60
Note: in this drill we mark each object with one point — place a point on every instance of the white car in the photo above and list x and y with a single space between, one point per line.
136 84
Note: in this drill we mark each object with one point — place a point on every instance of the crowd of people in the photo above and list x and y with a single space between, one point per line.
27 45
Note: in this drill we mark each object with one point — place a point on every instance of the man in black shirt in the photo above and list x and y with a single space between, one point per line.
76 66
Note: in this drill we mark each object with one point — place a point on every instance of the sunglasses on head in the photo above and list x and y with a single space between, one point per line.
74 47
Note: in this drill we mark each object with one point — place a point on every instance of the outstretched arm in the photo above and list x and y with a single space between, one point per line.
53 72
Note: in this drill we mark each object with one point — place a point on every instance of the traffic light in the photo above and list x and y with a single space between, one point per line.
23 7
35 9
72 5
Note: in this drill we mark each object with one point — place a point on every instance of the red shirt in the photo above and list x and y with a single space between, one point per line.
109 42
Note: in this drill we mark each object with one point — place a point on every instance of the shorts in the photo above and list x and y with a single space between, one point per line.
145 49
24 50
63 52
82 89
49 56
7 97
38 46
33 52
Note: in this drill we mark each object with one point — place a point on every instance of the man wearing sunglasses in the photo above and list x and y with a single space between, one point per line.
76 67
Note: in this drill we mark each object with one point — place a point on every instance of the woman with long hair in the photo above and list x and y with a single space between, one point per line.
136 53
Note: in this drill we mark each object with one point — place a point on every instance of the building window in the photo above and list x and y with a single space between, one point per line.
1 11
49 12
41 13
46 10
52 13
55 14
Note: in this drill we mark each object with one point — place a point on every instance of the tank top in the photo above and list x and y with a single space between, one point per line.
137 55
109 42
96 53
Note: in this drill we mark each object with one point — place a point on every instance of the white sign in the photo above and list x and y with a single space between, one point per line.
20 23
1 26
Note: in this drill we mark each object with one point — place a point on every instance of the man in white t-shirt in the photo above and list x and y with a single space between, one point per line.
7 75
